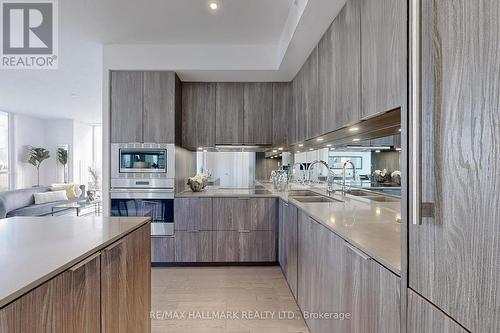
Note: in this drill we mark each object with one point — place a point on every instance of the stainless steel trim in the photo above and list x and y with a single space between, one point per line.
84 262
415 109
140 193
357 251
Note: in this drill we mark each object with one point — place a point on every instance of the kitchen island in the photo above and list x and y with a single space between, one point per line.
63 273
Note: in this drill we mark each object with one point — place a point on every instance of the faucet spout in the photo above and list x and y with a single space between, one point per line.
346 190
329 180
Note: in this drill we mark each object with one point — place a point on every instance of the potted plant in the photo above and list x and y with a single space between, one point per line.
35 157
62 157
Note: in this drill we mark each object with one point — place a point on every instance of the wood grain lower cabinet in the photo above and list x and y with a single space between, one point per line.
288 244
335 277
193 246
126 284
424 317
245 214
193 214
162 249
248 246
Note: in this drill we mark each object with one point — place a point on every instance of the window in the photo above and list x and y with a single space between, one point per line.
4 151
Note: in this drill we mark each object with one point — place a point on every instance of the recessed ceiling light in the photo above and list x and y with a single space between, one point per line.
298 151
199 148
353 129
275 151
301 145
204 150
332 148
355 140
272 156
400 130
319 139
398 149
328 145
280 148
213 5
377 151
311 149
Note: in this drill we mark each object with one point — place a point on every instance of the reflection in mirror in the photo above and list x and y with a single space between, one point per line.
62 162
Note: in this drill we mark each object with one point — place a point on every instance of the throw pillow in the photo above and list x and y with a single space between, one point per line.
50 196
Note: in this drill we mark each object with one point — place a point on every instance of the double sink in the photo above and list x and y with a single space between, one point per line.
307 196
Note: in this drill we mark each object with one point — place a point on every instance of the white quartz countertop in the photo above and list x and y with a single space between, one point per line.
369 225
35 249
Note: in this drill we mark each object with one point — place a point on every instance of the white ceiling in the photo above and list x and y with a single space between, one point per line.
244 40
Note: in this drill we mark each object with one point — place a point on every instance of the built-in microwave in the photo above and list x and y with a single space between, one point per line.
142 165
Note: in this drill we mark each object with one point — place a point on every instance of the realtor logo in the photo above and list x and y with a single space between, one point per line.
29 34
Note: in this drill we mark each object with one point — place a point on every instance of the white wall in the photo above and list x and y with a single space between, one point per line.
82 152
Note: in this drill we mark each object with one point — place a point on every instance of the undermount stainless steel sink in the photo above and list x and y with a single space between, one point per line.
310 199
302 193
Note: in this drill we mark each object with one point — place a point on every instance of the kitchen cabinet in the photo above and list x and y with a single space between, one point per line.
288 244
339 61
198 114
193 246
383 56
244 246
453 252
126 107
308 118
160 89
244 214
144 106
258 113
126 283
193 214
282 112
229 113
363 289
424 317
162 249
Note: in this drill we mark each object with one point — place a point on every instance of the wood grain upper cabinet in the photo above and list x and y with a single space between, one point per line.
308 118
339 61
229 113
454 257
126 107
198 114
159 107
126 283
383 55
282 112
258 114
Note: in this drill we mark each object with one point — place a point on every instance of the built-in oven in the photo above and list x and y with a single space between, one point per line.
155 203
142 165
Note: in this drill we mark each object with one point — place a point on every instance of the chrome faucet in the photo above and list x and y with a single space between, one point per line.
291 173
330 188
344 188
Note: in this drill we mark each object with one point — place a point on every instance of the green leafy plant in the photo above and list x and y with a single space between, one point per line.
36 155
62 157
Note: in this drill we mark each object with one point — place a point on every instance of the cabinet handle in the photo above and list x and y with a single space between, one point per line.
84 262
285 204
115 244
357 251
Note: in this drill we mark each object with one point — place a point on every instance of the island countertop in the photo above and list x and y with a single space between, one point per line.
35 249
369 225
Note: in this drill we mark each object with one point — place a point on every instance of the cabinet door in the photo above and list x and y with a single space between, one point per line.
82 298
126 283
383 55
162 249
40 310
229 111
126 107
193 214
424 317
198 114
159 107
454 257
309 120
193 246
263 214
232 213
371 294
289 244
282 112
244 246
258 113
339 59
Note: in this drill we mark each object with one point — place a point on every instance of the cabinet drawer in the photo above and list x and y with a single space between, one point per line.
162 249
237 214
193 246
193 214
249 246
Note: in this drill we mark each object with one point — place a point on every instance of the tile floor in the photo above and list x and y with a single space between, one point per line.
223 300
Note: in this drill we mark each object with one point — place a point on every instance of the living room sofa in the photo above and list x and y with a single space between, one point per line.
22 203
